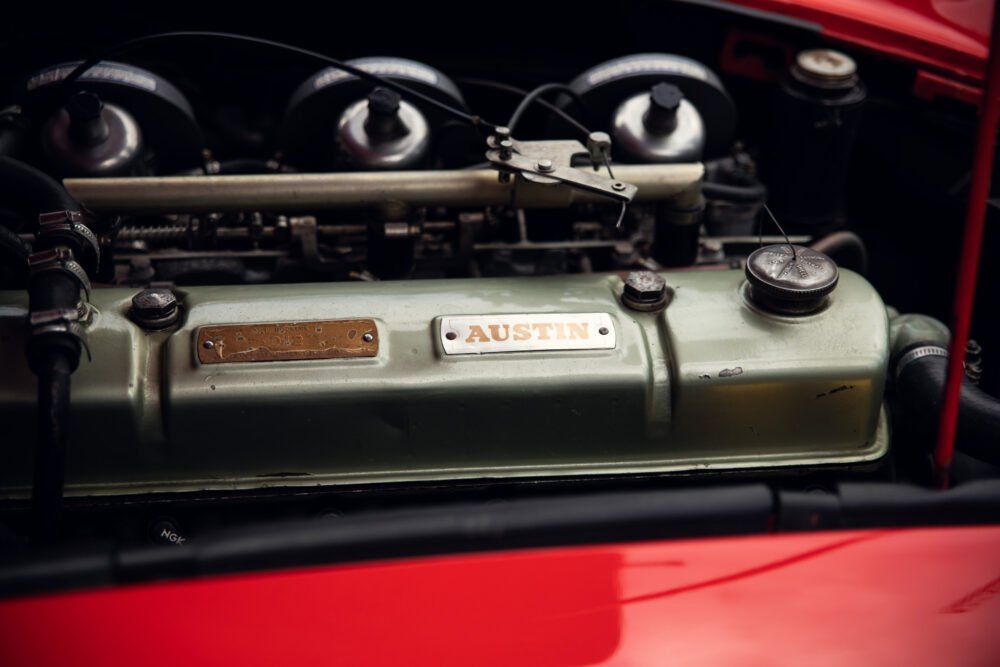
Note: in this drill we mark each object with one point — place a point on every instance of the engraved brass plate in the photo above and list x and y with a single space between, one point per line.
287 341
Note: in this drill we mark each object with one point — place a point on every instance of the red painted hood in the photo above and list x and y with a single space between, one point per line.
895 597
950 37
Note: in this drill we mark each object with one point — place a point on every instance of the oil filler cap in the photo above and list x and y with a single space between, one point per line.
790 279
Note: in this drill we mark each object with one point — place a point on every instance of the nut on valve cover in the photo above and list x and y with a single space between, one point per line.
645 291
154 308
790 279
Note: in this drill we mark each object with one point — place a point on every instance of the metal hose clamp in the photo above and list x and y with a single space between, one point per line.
59 259
918 353
62 321
69 225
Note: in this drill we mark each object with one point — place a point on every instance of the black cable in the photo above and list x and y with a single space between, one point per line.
82 68
535 95
515 90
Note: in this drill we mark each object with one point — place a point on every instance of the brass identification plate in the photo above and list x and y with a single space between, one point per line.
287 341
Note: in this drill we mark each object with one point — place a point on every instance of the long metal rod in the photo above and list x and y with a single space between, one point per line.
312 192
968 266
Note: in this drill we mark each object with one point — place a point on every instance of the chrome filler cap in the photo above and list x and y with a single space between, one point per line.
825 68
790 280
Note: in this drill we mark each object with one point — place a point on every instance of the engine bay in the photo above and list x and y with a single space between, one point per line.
286 285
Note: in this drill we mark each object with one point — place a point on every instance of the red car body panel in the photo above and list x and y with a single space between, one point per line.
950 37
926 596
883 597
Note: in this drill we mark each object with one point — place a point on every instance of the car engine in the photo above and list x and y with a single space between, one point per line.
242 279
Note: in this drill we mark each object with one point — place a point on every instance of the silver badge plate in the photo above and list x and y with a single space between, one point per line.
487 334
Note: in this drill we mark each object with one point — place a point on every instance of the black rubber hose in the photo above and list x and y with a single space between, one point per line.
11 136
13 254
920 385
737 194
843 243
29 192
53 358
52 355
54 370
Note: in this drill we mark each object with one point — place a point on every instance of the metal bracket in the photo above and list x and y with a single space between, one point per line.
305 232
550 162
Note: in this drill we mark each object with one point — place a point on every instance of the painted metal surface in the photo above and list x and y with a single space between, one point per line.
710 382
947 36
825 599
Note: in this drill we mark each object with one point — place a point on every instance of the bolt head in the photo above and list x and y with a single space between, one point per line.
666 97
153 303
545 165
506 149
599 139
84 105
383 102
645 287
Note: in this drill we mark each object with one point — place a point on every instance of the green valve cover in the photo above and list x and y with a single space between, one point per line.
454 379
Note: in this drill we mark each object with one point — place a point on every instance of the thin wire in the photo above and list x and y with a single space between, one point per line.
535 95
607 163
621 214
82 68
760 235
514 90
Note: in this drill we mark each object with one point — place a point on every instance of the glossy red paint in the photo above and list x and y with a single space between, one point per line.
835 598
968 265
944 36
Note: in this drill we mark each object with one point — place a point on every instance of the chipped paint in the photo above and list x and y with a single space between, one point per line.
843 387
